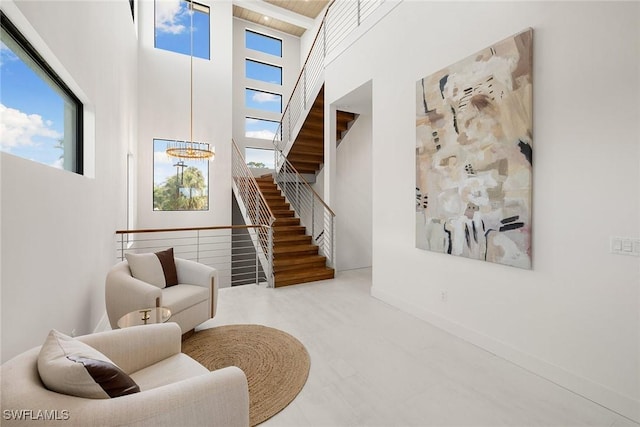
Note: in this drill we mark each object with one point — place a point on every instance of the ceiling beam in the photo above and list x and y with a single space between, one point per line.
276 12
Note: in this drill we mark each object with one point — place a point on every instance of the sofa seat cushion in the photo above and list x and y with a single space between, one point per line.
170 370
180 297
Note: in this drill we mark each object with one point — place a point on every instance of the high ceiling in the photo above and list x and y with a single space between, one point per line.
289 16
309 8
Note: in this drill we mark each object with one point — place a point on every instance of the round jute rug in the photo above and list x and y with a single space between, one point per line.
275 363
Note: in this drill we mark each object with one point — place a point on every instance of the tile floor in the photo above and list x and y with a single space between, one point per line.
373 365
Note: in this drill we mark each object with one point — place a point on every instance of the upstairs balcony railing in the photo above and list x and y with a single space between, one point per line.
340 19
232 250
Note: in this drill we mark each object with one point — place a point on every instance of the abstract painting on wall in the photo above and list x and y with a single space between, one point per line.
473 155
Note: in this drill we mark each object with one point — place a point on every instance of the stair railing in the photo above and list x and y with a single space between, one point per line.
314 214
339 20
255 210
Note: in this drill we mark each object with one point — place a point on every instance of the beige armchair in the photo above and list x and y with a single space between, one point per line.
191 302
175 389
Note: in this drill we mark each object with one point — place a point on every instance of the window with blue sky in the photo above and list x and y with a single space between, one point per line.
259 157
178 185
263 43
173 27
264 72
261 100
260 128
40 118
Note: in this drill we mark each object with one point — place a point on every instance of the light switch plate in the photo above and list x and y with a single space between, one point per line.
625 246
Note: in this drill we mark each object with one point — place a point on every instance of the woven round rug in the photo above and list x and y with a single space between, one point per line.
275 363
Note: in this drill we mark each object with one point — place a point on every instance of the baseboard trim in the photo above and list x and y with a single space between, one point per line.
598 393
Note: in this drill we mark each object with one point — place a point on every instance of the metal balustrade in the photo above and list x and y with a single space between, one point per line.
340 19
229 249
255 210
314 214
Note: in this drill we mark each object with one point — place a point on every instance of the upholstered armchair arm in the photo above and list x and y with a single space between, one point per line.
137 347
194 273
124 293
218 398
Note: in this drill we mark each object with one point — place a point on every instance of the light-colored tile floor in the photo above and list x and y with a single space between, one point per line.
373 365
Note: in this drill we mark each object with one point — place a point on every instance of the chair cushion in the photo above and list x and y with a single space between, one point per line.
158 268
72 367
168 371
180 297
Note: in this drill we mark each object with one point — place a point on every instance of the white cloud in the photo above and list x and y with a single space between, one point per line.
250 121
265 97
18 128
168 12
262 134
161 158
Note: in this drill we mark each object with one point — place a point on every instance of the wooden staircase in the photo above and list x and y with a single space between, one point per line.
295 257
307 152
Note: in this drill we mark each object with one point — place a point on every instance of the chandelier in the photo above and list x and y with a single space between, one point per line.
190 150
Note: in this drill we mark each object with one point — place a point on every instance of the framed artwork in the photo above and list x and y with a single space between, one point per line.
474 155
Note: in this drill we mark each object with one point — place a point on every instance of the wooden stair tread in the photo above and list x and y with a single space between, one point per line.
295 257
286 238
293 247
292 277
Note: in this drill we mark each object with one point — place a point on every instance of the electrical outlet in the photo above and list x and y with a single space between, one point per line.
444 296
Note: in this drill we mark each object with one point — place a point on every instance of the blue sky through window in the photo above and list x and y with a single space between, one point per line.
164 166
259 155
260 128
263 43
172 27
263 72
261 100
31 111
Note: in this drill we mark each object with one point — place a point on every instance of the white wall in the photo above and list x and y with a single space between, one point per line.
352 204
163 90
290 64
574 318
57 227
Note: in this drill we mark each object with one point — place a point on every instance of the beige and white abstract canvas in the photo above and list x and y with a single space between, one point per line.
474 155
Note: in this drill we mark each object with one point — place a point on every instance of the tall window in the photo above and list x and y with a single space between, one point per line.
262 100
264 72
173 27
259 158
41 119
260 128
263 43
178 185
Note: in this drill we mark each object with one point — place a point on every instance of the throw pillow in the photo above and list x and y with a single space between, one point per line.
72 367
158 269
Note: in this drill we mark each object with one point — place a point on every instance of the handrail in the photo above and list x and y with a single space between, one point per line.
315 39
348 14
163 230
306 183
236 251
235 146
255 210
